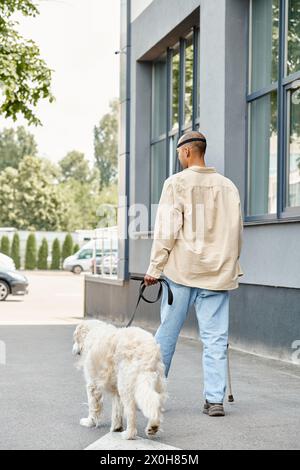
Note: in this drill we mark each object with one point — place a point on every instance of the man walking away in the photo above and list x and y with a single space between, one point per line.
196 248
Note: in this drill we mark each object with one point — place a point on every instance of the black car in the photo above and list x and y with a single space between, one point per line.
12 282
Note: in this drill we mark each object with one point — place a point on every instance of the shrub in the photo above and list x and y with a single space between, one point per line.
67 249
55 263
76 248
4 248
43 255
15 250
30 255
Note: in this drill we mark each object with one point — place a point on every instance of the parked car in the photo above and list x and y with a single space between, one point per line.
7 262
82 259
110 264
12 283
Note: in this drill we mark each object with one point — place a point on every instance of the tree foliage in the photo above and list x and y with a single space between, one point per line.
42 262
67 249
15 250
76 248
56 255
25 78
14 145
30 254
29 199
106 145
4 246
74 165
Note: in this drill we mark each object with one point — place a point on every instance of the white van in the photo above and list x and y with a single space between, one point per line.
82 260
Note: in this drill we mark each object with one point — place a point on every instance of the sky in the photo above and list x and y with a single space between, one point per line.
78 39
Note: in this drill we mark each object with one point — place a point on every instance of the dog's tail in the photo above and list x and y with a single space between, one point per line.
150 394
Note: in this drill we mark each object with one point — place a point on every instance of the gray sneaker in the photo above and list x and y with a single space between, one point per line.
213 409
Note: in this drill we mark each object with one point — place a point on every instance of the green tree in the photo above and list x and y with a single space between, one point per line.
74 165
15 250
76 248
107 207
30 254
56 255
42 262
14 145
8 202
67 249
5 245
24 77
30 199
106 145
37 196
82 200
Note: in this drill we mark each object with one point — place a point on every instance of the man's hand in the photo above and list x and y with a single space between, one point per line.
149 280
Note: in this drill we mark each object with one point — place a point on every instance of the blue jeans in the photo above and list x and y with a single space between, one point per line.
212 311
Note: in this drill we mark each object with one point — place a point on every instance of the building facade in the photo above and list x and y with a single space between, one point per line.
230 68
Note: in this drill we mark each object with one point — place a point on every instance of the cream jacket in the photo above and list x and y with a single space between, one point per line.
198 230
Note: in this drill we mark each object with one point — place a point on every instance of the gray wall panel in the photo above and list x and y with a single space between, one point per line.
271 255
263 320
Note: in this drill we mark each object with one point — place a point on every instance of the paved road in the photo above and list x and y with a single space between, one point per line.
54 298
42 398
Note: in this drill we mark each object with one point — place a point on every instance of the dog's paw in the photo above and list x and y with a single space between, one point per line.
87 422
129 434
116 428
151 430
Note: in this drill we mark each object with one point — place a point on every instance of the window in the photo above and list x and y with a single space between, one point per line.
175 107
273 167
293 35
175 84
263 155
188 81
159 105
86 254
293 147
159 119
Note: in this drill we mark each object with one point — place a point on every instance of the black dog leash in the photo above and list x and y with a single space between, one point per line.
141 296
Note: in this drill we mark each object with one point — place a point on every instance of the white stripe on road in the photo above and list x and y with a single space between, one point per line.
114 441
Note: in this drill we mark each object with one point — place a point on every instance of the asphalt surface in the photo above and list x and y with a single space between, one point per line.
55 297
42 398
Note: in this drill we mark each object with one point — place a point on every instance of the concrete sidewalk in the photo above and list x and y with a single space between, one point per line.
42 398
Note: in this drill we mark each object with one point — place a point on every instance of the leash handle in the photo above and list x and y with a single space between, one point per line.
141 296
143 287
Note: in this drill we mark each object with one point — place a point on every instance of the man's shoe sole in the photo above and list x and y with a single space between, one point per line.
214 410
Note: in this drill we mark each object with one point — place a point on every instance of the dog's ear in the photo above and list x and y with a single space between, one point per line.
83 330
79 336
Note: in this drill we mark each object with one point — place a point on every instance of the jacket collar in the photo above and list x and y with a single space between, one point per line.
204 169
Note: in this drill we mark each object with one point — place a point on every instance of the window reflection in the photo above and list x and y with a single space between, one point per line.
158 169
188 98
263 155
198 78
265 43
293 61
158 174
294 150
172 154
175 88
159 112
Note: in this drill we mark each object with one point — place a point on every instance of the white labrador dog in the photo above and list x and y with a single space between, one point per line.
125 362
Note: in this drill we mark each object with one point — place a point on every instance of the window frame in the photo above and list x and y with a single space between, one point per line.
195 123
283 84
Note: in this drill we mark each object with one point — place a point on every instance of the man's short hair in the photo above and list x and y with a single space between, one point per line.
199 145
